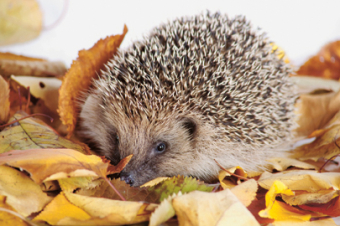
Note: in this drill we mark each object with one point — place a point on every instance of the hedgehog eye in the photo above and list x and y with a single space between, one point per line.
117 139
161 147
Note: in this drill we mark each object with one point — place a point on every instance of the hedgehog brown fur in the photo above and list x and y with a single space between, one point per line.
196 89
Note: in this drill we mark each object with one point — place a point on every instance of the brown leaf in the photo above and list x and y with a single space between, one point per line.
325 144
79 77
315 111
326 63
4 101
331 208
20 21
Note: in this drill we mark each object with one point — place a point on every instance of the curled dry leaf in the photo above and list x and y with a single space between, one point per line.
278 210
325 144
315 111
79 77
230 181
4 101
20 21
326 63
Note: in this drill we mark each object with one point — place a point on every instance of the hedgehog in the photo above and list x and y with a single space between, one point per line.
195 90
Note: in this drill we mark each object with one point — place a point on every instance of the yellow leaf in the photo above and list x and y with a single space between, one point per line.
61 208
25 196
277 210
220 208
109 212
155 181
20 21
8 218
4 101
224 176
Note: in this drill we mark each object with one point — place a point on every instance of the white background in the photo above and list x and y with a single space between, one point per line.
300 27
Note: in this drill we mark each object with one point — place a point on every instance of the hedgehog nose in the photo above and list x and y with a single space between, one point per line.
127 178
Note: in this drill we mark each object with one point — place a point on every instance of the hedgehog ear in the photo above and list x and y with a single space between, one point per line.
191 126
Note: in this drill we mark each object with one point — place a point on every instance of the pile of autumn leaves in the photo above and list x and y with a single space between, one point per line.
47 178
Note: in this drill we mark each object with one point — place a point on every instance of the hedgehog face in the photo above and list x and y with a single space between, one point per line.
158 148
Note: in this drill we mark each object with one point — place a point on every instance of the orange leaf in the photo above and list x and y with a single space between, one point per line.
326 63
79 77
4 101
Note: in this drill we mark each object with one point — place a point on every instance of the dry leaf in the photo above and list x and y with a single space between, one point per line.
308 84
109 212
8 218
79 77
227 180
281 164
53 164
4 101
32 133
306 180
164 211
324 146
220 208
306 198
331 208
322 222
245 192
43 88
315 111
281 211
61 208
20 21
25 196
326 63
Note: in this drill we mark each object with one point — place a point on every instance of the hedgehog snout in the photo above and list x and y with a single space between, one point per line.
127 177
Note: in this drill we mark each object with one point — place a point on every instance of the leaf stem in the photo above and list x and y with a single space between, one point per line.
113 187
